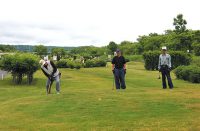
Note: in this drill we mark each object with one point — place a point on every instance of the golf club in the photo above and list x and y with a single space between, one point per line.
113 83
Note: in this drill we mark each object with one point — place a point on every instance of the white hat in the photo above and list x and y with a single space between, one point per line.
42 62
164 48
46 58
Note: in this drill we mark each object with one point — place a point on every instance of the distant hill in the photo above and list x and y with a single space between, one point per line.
30 48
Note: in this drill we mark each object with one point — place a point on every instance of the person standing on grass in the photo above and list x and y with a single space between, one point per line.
119 70
164 66
52 73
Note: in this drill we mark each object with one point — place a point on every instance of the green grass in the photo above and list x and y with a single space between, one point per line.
87 102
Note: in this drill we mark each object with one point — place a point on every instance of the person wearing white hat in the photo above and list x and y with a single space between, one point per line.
52 73
164 66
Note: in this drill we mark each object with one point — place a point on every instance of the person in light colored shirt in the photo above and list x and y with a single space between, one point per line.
164 66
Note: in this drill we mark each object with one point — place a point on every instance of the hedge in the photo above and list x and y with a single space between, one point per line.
178 58
188 73
95 63
20 65
64 63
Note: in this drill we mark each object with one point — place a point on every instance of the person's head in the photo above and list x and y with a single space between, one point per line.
43 62
118 52
164 50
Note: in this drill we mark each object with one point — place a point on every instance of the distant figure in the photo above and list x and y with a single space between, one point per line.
119 70
164 66
52 73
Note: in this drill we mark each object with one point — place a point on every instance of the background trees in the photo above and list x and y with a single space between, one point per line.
59 52
40 50
180 24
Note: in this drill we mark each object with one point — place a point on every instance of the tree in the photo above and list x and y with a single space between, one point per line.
40 50
112 47
59 52
180 24
7 48
20 65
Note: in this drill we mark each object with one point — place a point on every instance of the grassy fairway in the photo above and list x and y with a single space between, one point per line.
88 103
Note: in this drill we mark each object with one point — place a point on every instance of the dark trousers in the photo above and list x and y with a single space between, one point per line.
166 73
120 79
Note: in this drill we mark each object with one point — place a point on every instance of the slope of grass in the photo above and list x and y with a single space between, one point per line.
87 102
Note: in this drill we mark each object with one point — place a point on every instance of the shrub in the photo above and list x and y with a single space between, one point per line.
19 65
189 73
95 63
151 59
178 58
196 48
62 63
196 60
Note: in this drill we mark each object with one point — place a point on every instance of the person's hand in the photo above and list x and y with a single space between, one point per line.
169 68
113 71
51 77
124 71
159 70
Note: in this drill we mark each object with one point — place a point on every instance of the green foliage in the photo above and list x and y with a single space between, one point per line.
178 58
95 63
88 52
152 42
112 46
7 48
189 73
180 24
64 63
180 42
151 59
196 61
196 48
130 48
19 65
137 58
40 50
59 52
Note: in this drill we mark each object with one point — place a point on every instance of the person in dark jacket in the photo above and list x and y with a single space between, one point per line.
119 70
52 73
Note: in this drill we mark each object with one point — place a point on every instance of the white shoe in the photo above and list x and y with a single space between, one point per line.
58 92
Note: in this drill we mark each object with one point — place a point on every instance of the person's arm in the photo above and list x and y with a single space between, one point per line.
113 64
113 67
47 75
54 67
159 64
124 66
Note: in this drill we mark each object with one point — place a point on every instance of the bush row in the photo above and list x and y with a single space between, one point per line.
178 58
95 63
64 63
188 73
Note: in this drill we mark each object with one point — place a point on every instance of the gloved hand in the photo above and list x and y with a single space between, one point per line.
51 78
169 68
125 71
113 71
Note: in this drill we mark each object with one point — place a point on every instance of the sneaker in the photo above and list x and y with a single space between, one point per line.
58 93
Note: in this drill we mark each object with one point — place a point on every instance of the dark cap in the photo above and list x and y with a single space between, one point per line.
118 50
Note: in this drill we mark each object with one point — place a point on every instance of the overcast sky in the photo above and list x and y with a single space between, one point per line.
89 22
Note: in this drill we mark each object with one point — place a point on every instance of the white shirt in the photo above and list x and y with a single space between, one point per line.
164 59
